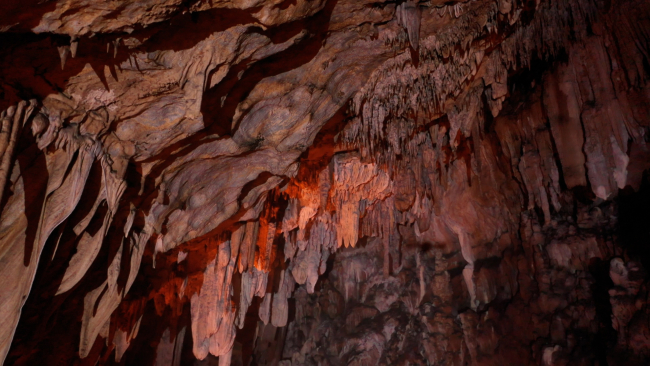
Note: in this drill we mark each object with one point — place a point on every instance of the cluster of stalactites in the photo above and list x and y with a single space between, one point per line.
455 60
70 149
357 195
405 168
12 121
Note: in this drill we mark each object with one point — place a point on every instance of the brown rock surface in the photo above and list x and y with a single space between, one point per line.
326 182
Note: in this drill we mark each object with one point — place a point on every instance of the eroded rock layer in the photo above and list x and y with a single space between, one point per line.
325 182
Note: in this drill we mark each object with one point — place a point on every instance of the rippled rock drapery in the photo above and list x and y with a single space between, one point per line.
324 182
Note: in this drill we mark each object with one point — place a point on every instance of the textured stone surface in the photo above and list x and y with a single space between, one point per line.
324 182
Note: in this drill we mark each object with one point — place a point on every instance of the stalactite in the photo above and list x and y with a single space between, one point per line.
212 313
20 115
408 16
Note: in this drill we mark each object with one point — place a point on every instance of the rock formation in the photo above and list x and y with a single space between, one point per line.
325 182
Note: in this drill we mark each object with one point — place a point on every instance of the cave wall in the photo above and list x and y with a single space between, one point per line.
324 183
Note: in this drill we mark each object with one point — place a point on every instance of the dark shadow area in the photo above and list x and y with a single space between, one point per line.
605 338
186 30
142 350
31 64
247 335
14 13
634 222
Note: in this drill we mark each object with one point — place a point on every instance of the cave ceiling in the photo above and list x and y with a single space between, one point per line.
324 182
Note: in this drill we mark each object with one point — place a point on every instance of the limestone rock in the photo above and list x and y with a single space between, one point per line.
324 182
